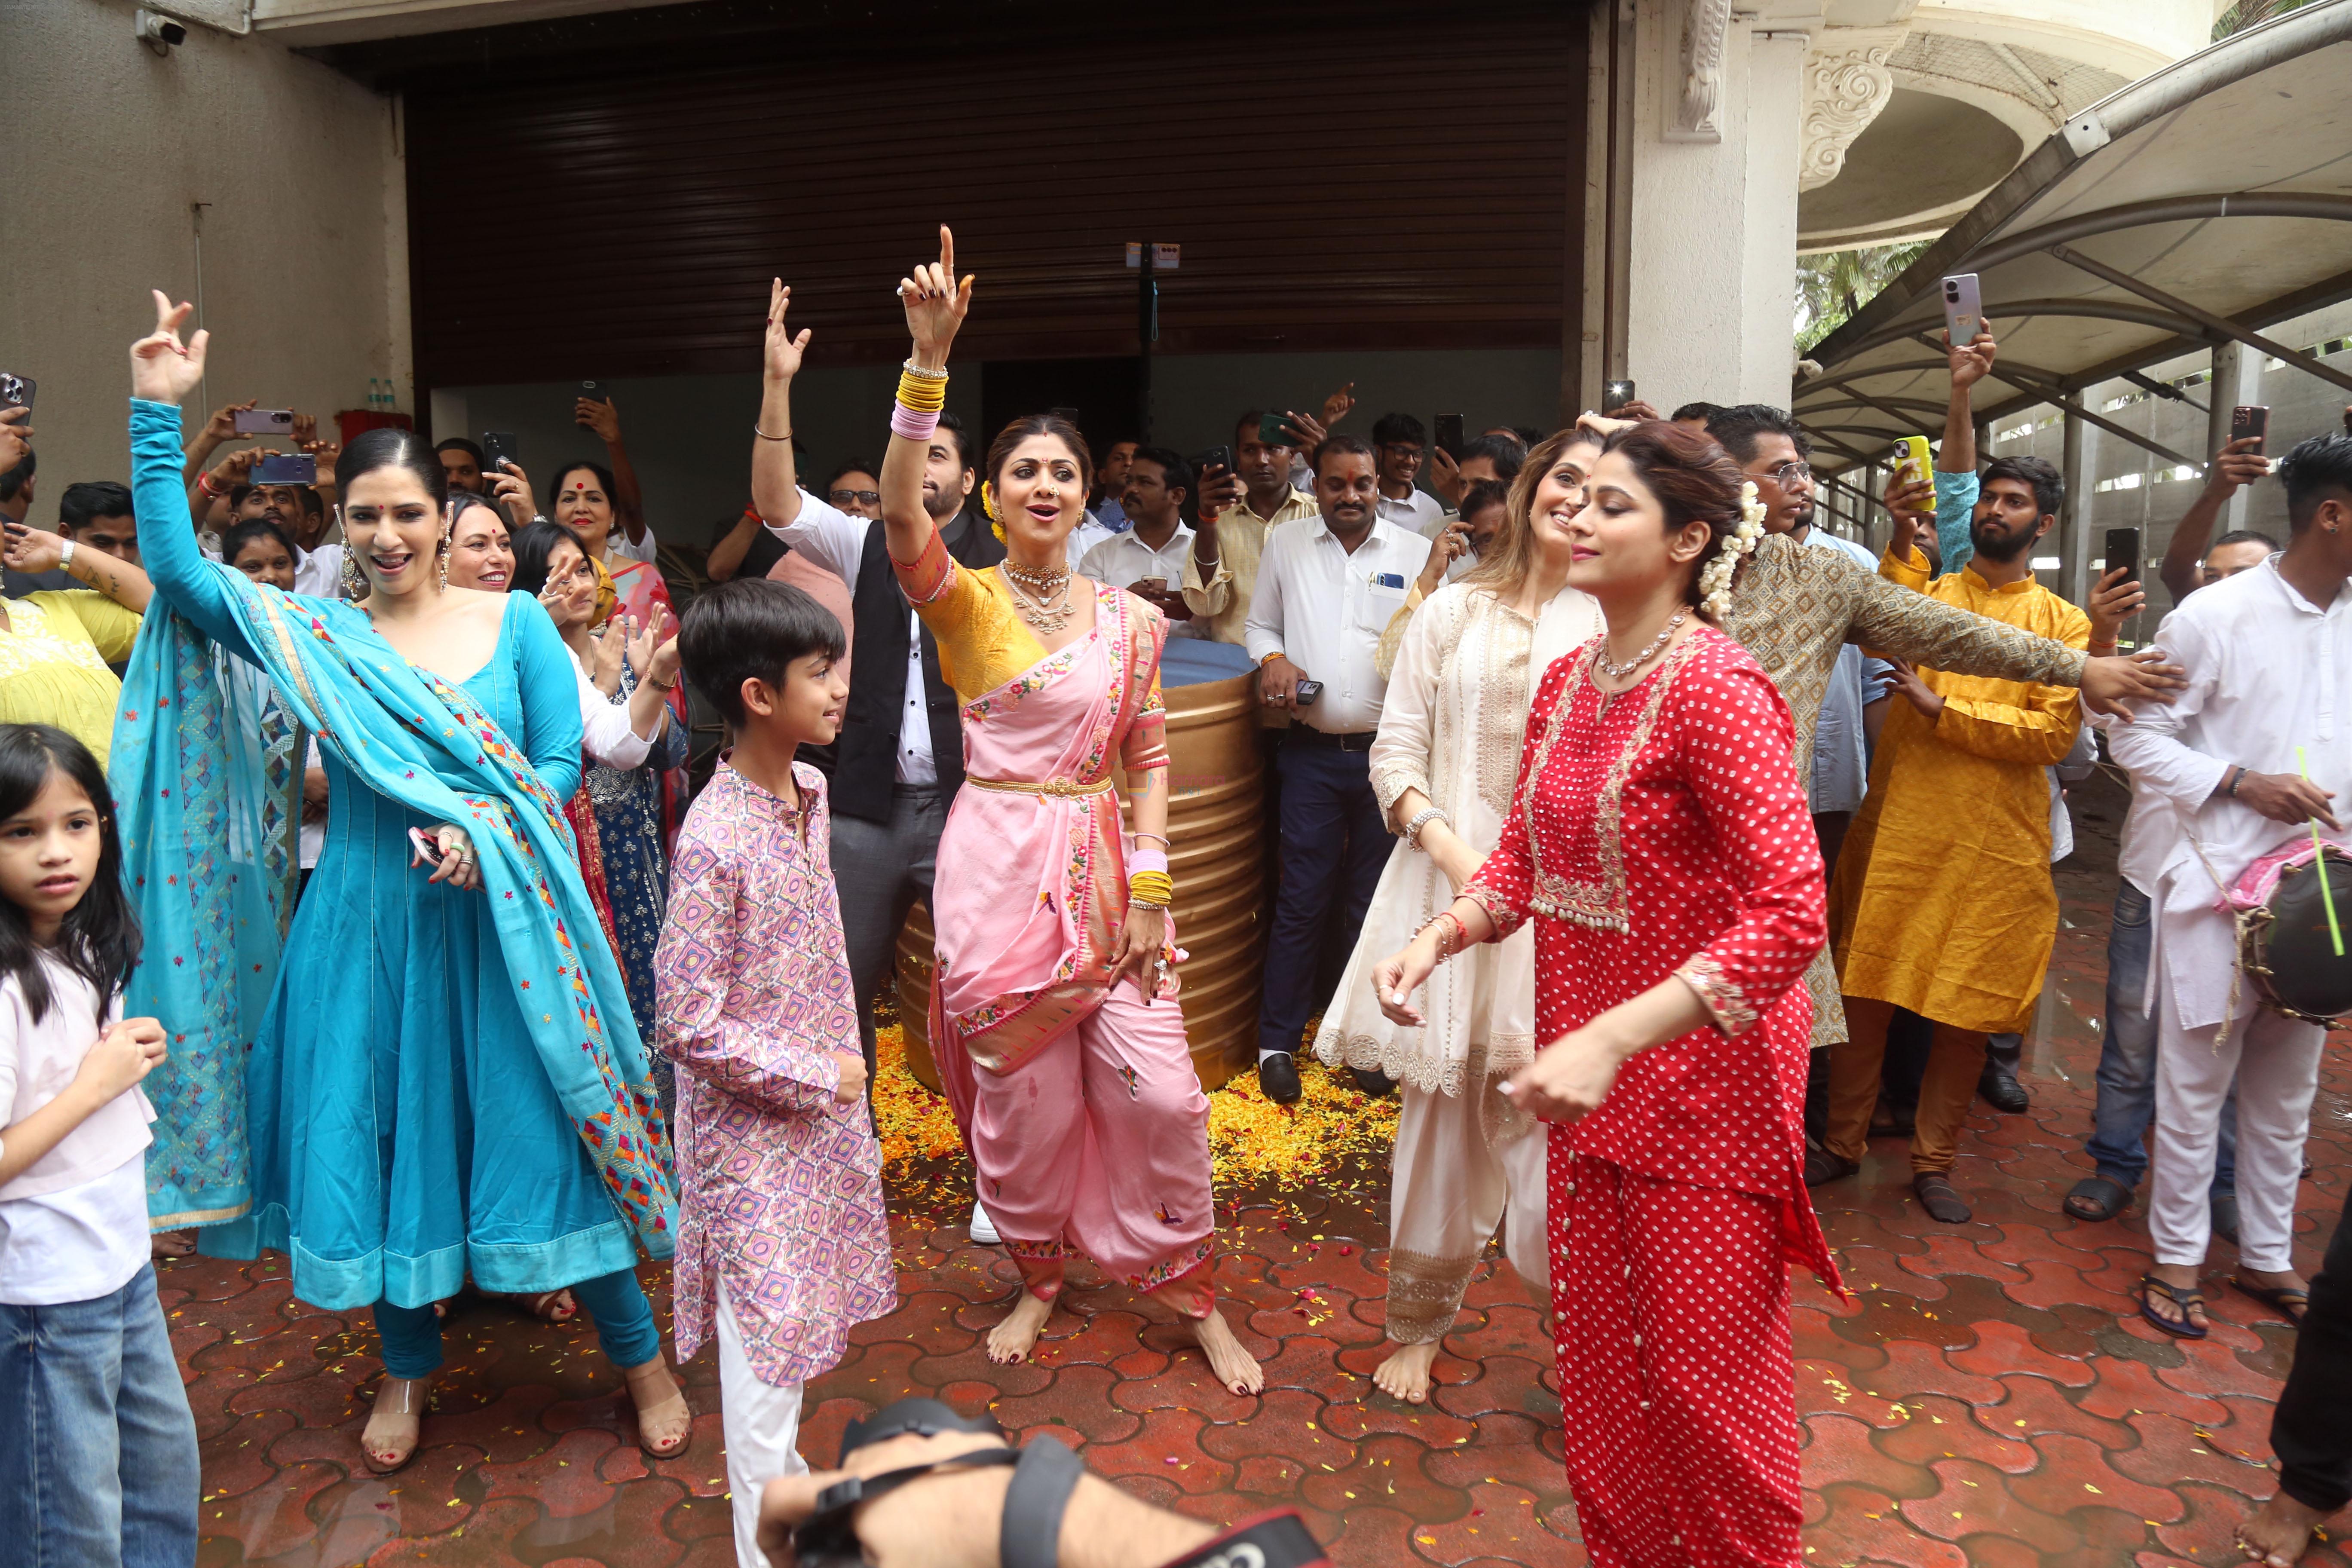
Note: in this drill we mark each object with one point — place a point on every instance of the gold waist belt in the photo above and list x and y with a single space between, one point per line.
1043 786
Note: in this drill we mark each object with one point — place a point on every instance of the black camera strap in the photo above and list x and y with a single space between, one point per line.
1279 1540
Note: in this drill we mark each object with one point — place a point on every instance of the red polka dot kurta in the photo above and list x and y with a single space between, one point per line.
1660 832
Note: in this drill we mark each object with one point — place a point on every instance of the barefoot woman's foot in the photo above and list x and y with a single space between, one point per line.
547 1306
1011 1341
1405 1375
2279 1535
664 1420
1235 1367
389 1439
172 1243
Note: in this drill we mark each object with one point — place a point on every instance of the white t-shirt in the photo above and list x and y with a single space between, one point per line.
73 1227
617 543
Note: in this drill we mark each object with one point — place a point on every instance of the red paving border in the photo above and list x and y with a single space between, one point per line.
1982 1401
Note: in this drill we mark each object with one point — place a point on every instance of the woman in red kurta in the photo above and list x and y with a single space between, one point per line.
1660 837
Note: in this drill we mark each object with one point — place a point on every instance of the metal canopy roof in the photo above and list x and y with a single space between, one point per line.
2204 202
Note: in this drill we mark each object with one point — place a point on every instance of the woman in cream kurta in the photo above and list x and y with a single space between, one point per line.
1452 726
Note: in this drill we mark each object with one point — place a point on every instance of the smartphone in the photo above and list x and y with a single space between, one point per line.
16 391
1963 308
429 848
2250 419
1217 458
499 446
264 422
593 391
1449 435
2123 550
1615 395
1271 432
1913 449
1305 693
283 468
1153 587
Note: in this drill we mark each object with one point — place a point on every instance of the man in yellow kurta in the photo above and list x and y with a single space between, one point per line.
1942 903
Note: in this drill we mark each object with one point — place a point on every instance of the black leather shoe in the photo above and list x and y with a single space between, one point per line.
1278 1076
1371 1081
2003 1092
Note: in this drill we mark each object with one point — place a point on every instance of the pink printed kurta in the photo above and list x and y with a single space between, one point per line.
1658 833
1084 1115
779 1183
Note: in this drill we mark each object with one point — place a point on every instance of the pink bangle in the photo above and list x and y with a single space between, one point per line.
1146 860
913 425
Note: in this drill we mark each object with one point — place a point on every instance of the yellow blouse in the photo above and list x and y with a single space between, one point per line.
53 660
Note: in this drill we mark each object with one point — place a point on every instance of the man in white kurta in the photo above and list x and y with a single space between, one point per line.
2268 656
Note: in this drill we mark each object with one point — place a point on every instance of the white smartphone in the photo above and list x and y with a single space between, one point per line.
1963 308
429 848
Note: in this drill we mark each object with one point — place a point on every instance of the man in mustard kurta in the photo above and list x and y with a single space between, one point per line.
1942 903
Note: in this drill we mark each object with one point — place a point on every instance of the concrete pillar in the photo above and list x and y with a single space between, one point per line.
1712 291
2237 378
2078 465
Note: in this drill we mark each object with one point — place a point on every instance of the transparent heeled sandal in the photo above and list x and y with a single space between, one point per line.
401 1401
660 1412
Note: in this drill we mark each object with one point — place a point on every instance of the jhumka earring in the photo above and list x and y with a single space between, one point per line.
354 581
446 530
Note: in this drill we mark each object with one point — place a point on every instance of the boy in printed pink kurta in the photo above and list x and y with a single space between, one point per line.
783 1244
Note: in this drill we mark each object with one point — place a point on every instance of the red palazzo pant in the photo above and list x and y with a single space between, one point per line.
1678 1378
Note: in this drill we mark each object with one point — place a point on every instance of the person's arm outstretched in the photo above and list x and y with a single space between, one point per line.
936 303
163 371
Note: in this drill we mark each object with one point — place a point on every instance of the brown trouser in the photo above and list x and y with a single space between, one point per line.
1955 1061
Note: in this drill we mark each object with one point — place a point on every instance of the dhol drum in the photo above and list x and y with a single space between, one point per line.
2288 945
1216 828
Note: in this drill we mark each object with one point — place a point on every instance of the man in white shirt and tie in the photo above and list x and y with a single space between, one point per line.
1327 588
2243 763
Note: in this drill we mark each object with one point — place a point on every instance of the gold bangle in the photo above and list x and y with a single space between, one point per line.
763 436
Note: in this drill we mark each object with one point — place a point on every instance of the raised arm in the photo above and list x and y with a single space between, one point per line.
2239 463
628 496
936 303
775 488
162 372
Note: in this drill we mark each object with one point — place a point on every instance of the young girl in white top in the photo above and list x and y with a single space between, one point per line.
97 1450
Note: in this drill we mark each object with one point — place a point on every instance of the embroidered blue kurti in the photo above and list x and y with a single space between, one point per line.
402 1125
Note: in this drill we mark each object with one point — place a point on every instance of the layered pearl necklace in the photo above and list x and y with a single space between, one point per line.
1615 671
1041 596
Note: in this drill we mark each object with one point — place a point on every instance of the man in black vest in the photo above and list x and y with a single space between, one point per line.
901 747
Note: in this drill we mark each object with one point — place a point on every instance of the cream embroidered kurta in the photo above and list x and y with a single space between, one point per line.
1793 607
1942 901
1452 726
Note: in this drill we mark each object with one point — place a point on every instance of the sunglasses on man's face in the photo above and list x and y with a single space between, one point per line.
870 498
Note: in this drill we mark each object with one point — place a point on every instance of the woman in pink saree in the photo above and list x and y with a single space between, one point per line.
1054 1020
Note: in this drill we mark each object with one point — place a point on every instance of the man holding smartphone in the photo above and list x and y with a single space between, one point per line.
1147 560
1237 511
1327 589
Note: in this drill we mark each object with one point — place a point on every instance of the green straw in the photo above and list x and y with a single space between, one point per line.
2319 856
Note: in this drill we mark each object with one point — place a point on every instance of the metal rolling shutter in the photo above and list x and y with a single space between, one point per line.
1394 182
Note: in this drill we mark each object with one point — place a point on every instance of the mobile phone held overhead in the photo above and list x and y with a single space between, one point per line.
1963 308
264 422
286 468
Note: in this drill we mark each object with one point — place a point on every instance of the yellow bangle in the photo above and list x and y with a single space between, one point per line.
1153 889
921 394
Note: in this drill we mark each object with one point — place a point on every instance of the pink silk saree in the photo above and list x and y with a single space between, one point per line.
1032 884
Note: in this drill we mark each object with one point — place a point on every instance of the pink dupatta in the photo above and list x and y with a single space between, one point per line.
1031 883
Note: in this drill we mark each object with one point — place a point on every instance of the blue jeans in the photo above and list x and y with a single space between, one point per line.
2118 1140
1333 844
97 1450
614 1302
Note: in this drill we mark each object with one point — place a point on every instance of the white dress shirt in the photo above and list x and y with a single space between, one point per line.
1124 560
319 571
1324 609
2266 672
837 541
1421 512
1091 531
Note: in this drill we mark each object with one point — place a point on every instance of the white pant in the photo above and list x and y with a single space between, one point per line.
1447 1191
761 1422
2275 1060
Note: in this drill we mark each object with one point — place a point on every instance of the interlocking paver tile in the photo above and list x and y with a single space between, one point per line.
1941 1428
2002 1348
2036 1405
1839 1449
2076 1473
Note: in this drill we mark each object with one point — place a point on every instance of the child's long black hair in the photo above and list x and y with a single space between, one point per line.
98 939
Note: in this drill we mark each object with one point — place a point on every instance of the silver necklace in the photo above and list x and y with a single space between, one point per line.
1616 671
1040 598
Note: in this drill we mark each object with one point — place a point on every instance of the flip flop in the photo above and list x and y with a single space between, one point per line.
2184 1297
2284 1299
2096 1198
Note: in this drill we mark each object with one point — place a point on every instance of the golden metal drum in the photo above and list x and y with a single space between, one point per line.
1217 828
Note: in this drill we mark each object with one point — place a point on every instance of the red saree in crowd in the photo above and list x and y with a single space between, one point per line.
1663 831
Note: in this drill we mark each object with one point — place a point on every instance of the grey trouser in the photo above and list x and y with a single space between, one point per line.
881 870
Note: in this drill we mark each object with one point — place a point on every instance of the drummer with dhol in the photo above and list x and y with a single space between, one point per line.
2253 758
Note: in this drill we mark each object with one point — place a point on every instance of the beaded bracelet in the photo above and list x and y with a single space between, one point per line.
1422 819
919 374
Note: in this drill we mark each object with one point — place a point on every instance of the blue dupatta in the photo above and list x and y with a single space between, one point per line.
210 962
